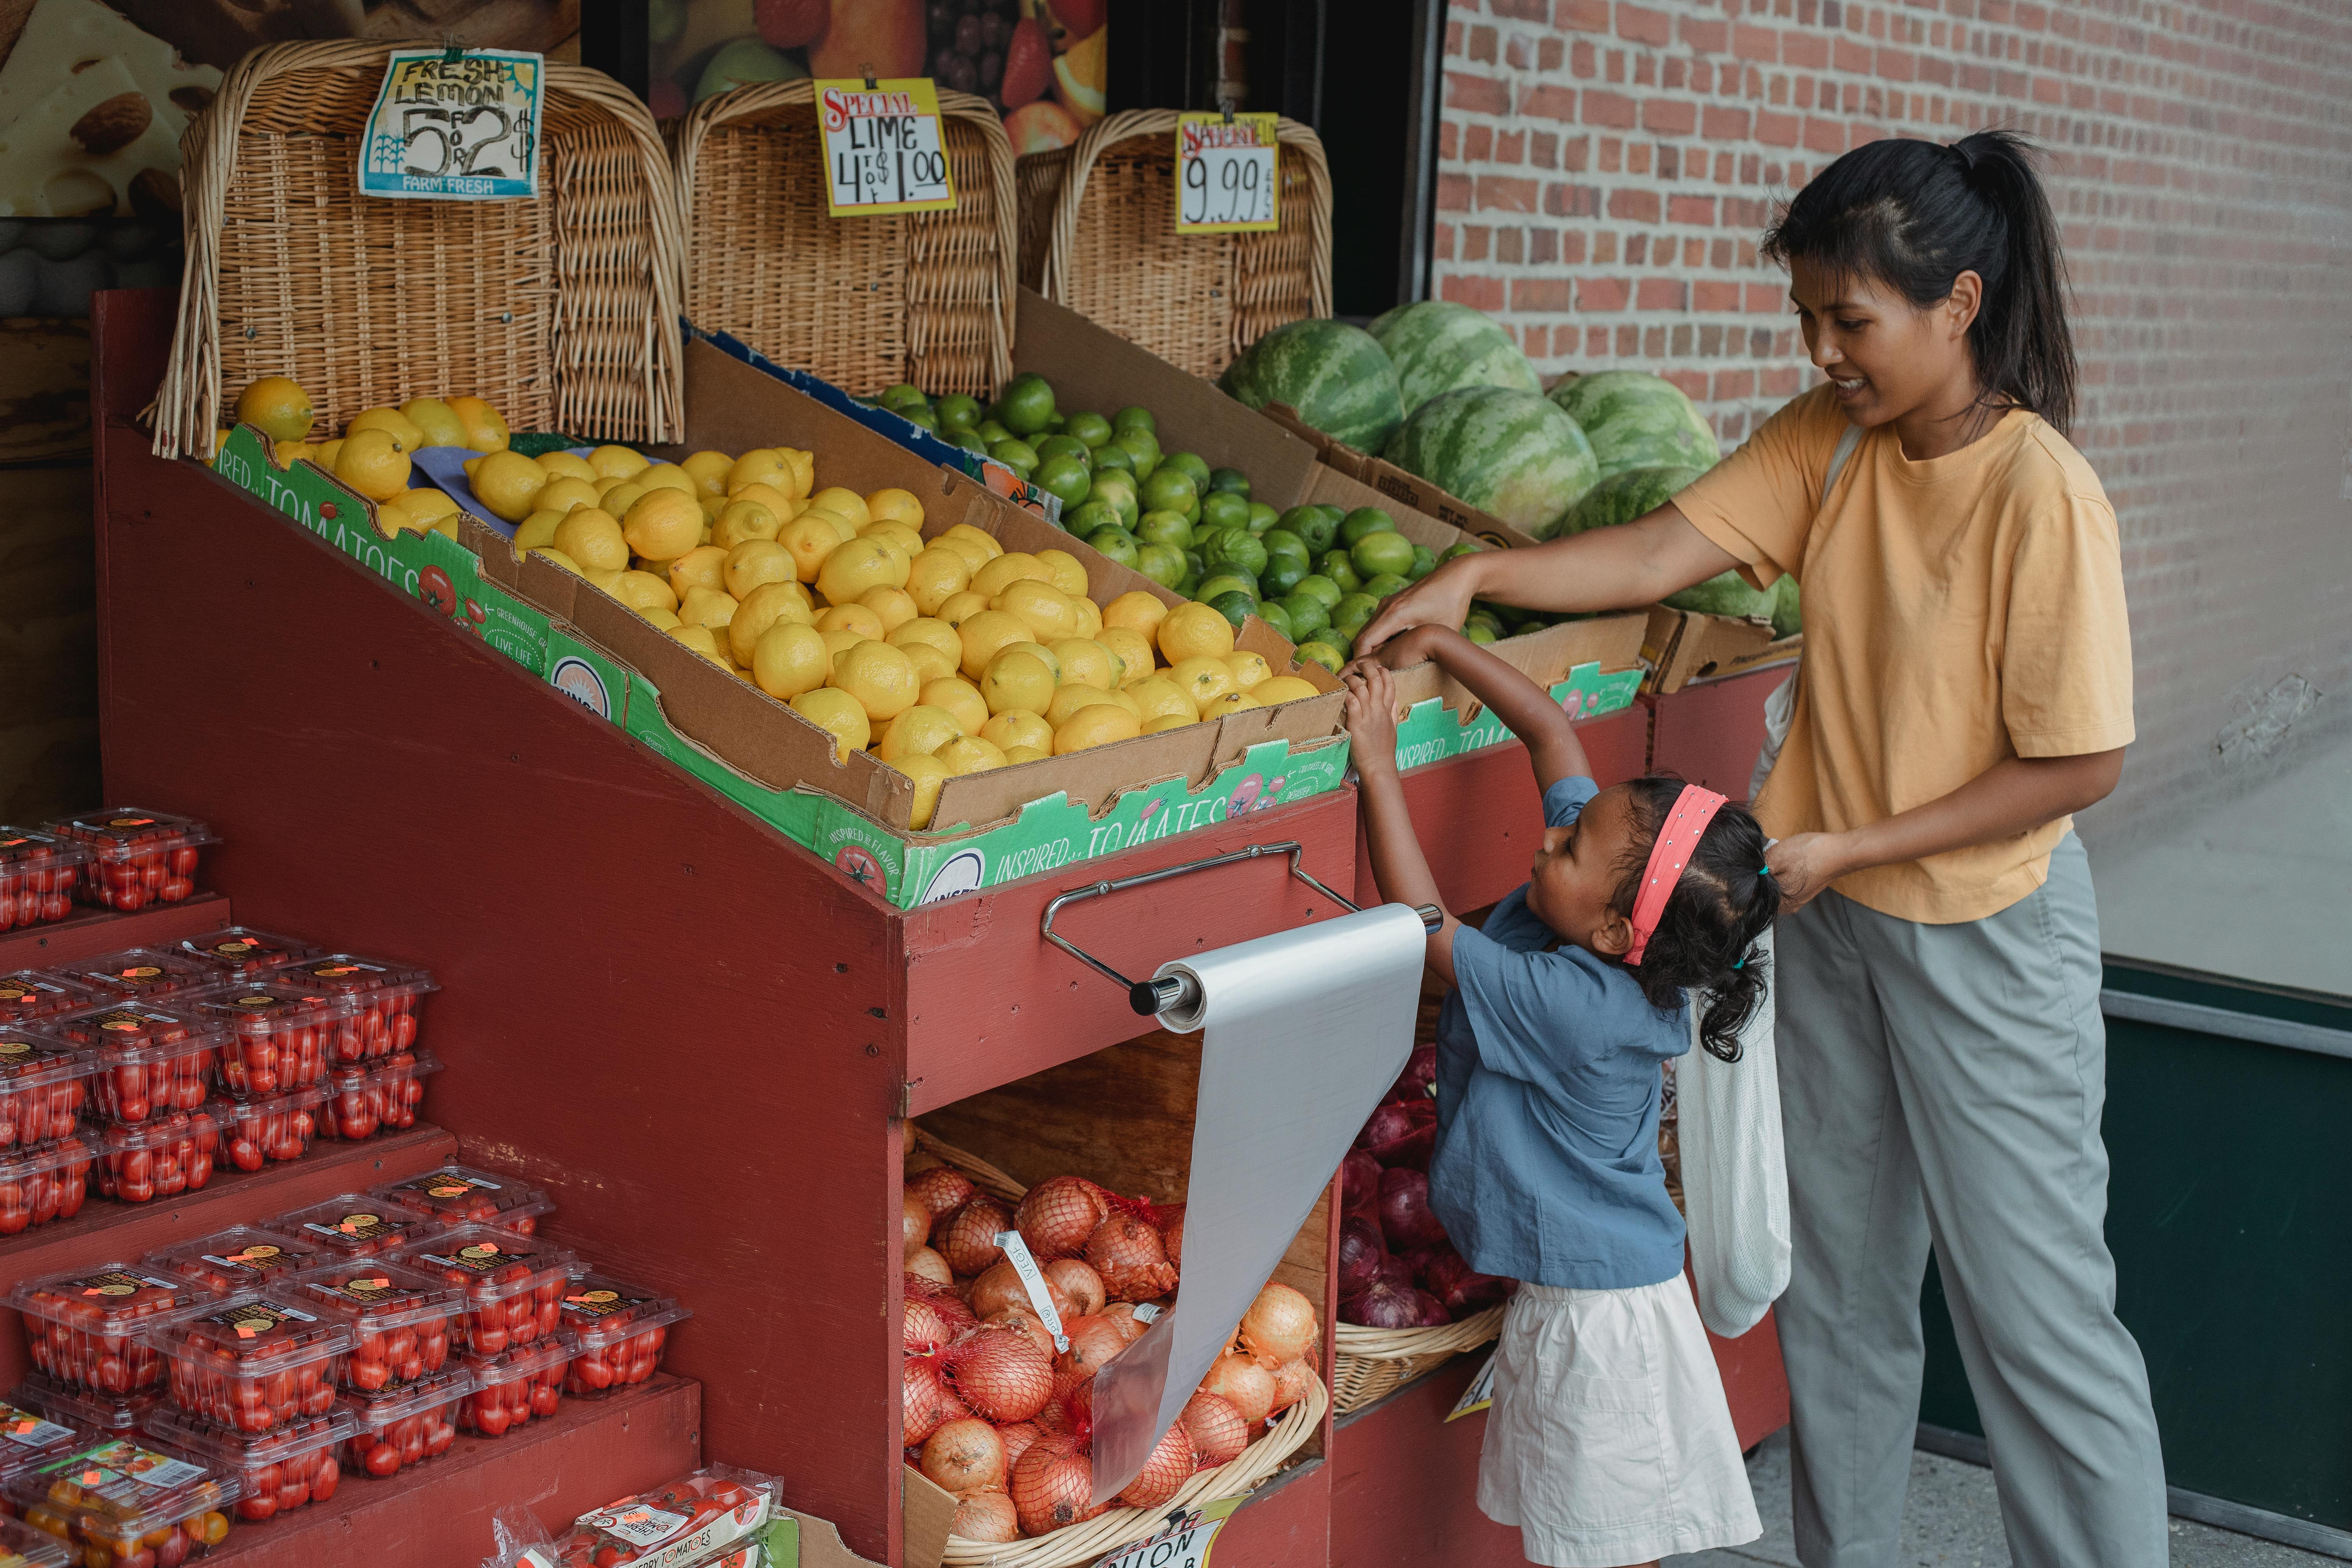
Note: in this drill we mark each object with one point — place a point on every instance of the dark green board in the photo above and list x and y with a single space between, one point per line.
2229 1211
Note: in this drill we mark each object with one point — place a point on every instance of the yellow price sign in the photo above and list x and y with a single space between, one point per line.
884 152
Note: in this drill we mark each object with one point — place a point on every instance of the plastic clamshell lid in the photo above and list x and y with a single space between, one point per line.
375 1412
603 1310
28 1437
201 1440
21 1543
241 949
352 1222
267 1004
481 1252
176 1126
130 1031
286 1104
551 1350
29 850
109 1298
252 1334
374 1294
93 1413
37 994
120 1488
117 830
350 1075
455 1193
357 975
145 972
252 1257
32 1059
39 1159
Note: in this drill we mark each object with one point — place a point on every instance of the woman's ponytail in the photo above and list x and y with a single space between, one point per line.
1915 216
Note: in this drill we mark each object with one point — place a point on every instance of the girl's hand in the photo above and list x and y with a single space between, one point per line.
1803 864
1371 717
1441 599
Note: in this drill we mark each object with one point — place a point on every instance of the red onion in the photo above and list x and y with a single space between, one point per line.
1242 1383
965 1456
988 1517
1092 1342
968 1240
1406 1218
1217 1430
1058 1215
1396 1272
1420 1073
1434 1314
1361 1251
1051 1487
1079 1282
1001 1373
1359 1182
1385 1125
1279 1325
1163 1474
1291 1381
1409 1149
942 1189
1016 1436
1129 1255
928 1403
1383 1306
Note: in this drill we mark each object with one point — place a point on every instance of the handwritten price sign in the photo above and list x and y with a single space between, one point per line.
455 126
883 149
1184 1543
1225 173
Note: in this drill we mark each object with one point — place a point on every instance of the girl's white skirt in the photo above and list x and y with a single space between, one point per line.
1610 1442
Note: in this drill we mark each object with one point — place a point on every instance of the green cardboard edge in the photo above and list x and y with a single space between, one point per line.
1432 733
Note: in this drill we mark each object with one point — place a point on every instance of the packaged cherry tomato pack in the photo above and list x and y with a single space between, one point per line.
693 1520
242 1258
142 857
622 1329
459 1194
242 950
279 1036
152 1060
38 874
514 1284
256 1132
30 994
364 1100
83 1330
148 972
99 1415
407 1425
401 1319
44 1182
277 1474
254 1363
44 1084
21 1544
120 1495
355 1225
28 1438
157 1159
517 1387
384 996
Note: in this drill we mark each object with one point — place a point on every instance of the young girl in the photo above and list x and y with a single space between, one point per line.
1608 1443
1965 687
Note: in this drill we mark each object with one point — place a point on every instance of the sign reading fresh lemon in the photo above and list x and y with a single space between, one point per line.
1225 167
455 125
884 152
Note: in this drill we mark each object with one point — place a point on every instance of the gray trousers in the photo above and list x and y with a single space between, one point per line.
1941 1084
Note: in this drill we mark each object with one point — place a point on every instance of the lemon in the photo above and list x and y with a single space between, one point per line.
1012 567
709 471
1097 724
810 541
1202 679
642 591
704 566
1089 616
954 695
934 576
662 619
1159 696
843 530
759 466
1166 721
564 464
741 522
851 618
922 629
881 677
803 466
1135 611
958 608
987 633
1063 571
508 483
789 658
838 642
560 496
712 607
917 732
617 462
843 503
286 454
622 495
928 774
1277 688
929 662
1045 607
277 407
896 608
1018 728
1086 662
429 505
972 557
976 538
1195 631
655 476
555 557
1133 651
702 639
1248 669
971 754
373 464
534 530
1070 699
392 516
857 565
485 430
1016 755
838 712
755 563
220 439
392 421
1041 653
1231 702
765 606
1017 680
769 496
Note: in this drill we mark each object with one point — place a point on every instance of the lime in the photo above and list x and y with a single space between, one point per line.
1317 585
922 416
1142 446
1382 586
1223 509
1237 548
1335 564
1424 562
1363 521
1308 614
992 431
1192 512
1231 479
1065 447
1065 477
1455 552
1322 653
1277 617
1055 424
1167 527
1116 489
958 411
1195 568
1191 465
1227 582
1133 419
1191 582
1111 455
1168 489
1482 617
904 396
1091 428
1479 632
1281 542
1163 563
1091 515
1281 575
1234 605
968 440
1376 554
1353 612
1016 455
1262 517
1116 543
1027 405
1318 525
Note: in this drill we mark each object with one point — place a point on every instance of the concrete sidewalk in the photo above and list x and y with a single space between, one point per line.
1953 1520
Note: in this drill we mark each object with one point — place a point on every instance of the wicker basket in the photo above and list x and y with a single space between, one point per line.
562 310
1086 1542
1099 234
1372 1364
865 302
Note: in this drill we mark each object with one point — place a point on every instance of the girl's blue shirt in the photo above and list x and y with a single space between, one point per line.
1548 1086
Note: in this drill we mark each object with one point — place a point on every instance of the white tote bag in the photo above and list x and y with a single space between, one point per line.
1734 1168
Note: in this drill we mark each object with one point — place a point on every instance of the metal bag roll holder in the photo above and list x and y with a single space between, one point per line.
1152 997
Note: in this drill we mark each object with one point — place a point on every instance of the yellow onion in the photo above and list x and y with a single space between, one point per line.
1122 1315
1216 1429
965 1456
1016 1436
1025 1322
928 1265
1242 1383
1058 1215
1051 1487
1000 1287
1126 1250
967 1239
1092 1342
1279 1326
929 1403
1292 1379
1079 1282
986 1516
914 1227
1163 1474
942 1189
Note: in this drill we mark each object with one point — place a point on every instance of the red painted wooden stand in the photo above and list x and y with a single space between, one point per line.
1712 730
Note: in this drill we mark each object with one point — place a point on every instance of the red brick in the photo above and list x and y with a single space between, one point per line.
1571 201
1669 116
1635 205
1719 123
1581 59
1477 143
1781 381
1550 52
1521 10
1730 383
1546 294
1543 148
1807 51
1692 382
1713 294
1477 94
1824 135
1898 65
1849 56
1478 241
1602 293
1503 193
1755 43
1777 130
1482 44
1511 147
1449 140
1691 209
1662 294
1640 25
1767 299
1706 35
1548 101
1582 15
1604 107
1479 293
1452 193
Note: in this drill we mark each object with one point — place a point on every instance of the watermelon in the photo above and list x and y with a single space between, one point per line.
1510 454
1636 420
1788 614
1623 496
1726 593
1334 376
1439 346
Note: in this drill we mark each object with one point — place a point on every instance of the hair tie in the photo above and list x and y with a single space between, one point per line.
1742 964
1765 872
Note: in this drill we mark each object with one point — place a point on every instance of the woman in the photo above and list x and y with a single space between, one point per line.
1966 687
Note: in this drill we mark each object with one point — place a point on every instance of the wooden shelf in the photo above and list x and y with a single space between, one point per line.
90 931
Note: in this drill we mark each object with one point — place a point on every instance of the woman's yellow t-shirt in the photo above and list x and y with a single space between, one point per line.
1957 611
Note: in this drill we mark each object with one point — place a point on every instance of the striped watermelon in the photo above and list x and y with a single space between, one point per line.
1439 346
1334 376
1636 420
1510 454
1788 607
1623 496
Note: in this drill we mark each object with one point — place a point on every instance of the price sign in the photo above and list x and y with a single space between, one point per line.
1479 1394
455 125
1225 173
1184 1543
883 149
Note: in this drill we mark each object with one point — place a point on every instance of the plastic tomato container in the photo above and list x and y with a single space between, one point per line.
279 1036
44 1084
242 1258
401 1319
514 1284
38 874
22 1546
98 1414
130 1506
44 1182
385 997
255 1133
518 1387
275 1474
148 972
459 1194
160 1159
29 1436
83 1331
254 1363
364 1100
236 950
406 1426
622 1331
694 1519
354 1225
31 994
139 858
152 1060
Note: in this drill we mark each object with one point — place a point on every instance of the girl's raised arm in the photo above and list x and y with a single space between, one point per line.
1524 708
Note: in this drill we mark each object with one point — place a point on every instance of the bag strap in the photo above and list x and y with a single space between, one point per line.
1845 448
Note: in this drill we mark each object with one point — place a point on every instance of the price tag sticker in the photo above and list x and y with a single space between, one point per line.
1226 173
1479 1394
1032 1281
455 125
1184 1543
883 149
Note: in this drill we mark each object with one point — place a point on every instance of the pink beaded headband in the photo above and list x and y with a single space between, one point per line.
1686 825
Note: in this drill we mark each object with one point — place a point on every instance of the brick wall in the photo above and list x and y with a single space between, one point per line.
1606 166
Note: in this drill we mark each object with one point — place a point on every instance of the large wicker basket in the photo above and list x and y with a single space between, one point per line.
1099 234
865 302
1369 1364
562 309
1086 1542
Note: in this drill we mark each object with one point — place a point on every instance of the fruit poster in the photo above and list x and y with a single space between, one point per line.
1043 63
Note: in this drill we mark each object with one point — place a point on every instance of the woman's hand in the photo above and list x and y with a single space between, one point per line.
1803 864
1441 599
1371 717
